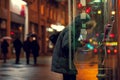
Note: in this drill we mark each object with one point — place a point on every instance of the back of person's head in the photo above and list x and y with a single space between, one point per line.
90 24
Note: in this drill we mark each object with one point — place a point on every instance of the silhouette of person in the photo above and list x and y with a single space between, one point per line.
27 48
18 46
35 49
61 62
4 49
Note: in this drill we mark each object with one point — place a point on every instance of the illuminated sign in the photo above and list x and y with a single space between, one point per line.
111 43
16 6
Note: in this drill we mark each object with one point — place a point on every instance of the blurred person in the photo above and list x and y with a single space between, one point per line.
27 48
4 49
53 37
35 49
60 58
17 44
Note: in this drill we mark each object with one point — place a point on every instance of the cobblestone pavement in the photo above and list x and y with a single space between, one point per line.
11 71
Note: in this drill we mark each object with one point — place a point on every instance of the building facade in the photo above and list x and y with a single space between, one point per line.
33 17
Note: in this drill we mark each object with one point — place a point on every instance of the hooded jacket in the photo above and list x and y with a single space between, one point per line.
60 58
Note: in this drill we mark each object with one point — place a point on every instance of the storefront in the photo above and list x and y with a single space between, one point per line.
17 31
18 14
17 22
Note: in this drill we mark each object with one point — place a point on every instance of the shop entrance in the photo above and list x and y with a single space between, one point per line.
17 31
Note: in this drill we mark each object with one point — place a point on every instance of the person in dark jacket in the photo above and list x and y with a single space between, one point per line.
53 37
27 48
35 49
61 60
4 49
17 44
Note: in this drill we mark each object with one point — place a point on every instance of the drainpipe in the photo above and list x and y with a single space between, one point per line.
26 22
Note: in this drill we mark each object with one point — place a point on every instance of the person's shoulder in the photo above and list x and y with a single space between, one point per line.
66 29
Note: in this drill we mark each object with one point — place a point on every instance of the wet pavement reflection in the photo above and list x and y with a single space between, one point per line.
41 71
11 71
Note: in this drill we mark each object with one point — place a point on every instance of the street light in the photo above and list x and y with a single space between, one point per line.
97 1
57 27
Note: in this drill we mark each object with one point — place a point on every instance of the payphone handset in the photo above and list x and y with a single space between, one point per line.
107 31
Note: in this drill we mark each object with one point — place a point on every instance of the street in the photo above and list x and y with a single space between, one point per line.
11 71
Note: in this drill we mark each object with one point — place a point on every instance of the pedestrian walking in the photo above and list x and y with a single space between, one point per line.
60 58
27 48
4 49
35 49
17 44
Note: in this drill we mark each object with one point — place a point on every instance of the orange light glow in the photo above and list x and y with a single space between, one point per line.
115 51
108 51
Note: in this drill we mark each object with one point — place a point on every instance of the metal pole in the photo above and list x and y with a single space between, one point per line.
26 22
73 28
69 16
101 55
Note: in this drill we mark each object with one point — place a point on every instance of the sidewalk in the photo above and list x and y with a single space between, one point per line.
42 71
41 60
11 71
